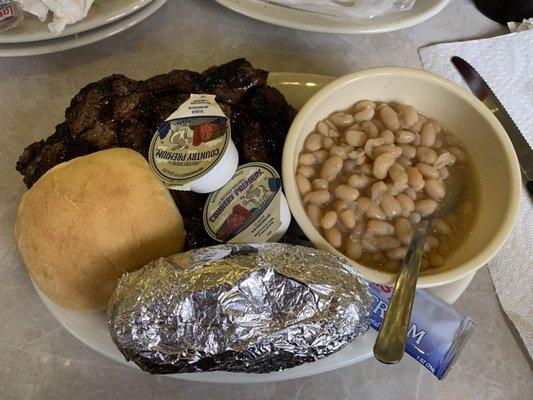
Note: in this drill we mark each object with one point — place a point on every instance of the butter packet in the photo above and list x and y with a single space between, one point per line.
250 208
11 14
192 149
437 333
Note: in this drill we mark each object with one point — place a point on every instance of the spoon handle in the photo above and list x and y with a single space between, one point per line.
390 344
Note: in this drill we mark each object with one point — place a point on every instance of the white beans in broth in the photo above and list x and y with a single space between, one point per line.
369 174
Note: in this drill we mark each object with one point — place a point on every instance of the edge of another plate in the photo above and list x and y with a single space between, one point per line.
95 19
308 21
81 39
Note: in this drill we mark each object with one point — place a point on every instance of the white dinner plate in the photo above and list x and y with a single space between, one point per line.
91 329
101 13
290 18
80 39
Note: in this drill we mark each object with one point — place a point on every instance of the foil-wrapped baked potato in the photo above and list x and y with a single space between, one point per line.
242 308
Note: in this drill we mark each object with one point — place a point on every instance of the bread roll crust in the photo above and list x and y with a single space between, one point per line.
87 221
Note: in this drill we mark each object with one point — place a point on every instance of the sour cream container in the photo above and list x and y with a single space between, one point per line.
192 150
250 208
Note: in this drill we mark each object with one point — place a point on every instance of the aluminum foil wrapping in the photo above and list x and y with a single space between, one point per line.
243 308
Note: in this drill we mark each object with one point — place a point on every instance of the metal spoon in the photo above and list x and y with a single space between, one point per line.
390 344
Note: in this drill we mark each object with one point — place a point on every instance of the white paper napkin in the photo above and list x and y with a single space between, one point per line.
506 64
37 8
65 12
520 26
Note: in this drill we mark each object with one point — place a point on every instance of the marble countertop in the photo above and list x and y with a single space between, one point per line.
41 360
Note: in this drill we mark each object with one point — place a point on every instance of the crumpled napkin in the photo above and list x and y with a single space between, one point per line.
521 26
65 12
37 8
505 62
361 9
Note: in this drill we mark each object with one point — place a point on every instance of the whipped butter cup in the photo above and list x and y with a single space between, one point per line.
192 150
250 208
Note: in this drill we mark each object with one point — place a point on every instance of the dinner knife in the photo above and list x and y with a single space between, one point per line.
483 92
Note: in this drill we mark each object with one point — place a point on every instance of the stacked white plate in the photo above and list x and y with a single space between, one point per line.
292 18
106 18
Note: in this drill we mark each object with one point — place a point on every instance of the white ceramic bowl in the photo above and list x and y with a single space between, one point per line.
483 136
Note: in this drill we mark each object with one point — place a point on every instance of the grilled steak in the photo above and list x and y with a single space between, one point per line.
120 112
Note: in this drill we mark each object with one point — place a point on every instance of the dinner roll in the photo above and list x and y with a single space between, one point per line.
89 220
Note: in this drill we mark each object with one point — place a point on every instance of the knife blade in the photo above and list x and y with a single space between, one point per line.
483 92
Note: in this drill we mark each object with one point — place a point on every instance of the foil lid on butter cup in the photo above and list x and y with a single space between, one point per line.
250 208
192 149
241 308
